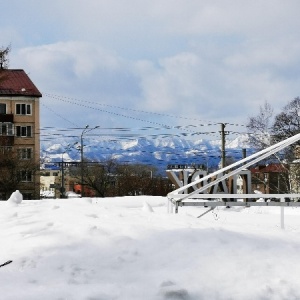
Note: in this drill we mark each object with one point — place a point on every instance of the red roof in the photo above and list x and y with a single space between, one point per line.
272 168
17 83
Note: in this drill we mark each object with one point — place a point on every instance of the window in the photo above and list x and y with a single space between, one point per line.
24 131
26 176
27 196
25 153
45 173
5 149
2 108
23 109
6 129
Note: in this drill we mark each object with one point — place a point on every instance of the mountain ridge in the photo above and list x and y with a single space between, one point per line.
156 152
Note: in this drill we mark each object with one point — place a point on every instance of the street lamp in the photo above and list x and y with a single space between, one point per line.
62 188
85 130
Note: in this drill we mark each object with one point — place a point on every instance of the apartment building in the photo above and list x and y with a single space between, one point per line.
19 134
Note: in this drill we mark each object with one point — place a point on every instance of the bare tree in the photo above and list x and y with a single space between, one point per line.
264 131
110 178
135 179
4 60
260 127
99 176
15 172
287 123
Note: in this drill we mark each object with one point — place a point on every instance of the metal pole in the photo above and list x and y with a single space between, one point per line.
244 152
223 145
176 207
81 159
212 208
81 155
282 214
62 188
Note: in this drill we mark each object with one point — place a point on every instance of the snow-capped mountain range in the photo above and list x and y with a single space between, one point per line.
155 152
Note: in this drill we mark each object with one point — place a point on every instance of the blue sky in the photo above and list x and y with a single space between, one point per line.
144 63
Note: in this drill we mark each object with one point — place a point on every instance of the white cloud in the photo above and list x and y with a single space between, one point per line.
80 58
216 60
172 83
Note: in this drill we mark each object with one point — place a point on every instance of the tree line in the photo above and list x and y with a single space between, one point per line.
267 128
110 178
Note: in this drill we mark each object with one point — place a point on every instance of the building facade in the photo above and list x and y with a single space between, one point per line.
270 179
19 134
48 181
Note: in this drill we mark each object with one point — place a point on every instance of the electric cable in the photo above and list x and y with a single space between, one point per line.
77 101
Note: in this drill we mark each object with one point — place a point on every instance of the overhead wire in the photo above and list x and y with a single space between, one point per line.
59 115
80 101
56 132
106 111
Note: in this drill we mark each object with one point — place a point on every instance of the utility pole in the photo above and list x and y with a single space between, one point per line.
223 145
244 151
85 130
62 188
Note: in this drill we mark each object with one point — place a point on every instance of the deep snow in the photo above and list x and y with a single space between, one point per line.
131 248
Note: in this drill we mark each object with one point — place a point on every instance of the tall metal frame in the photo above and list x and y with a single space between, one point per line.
177 197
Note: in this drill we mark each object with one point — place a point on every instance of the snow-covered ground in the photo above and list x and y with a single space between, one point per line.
131 248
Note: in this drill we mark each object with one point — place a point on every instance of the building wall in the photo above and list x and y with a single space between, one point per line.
48 180
28 189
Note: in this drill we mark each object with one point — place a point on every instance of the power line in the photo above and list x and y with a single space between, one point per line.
130 135
53 111
109 112
70 99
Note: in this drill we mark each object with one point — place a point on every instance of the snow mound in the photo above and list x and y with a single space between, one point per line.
15 198
72 249
147 207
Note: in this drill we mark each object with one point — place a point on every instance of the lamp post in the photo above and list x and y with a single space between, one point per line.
85 130
62 189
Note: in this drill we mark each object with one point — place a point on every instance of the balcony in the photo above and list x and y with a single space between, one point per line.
6 118
6 141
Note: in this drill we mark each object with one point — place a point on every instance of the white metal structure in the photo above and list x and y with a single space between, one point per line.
177 198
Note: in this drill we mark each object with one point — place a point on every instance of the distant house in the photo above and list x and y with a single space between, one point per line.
295 172
270 179
48 181
19 130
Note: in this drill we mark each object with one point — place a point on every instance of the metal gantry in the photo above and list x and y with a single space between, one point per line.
179 197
